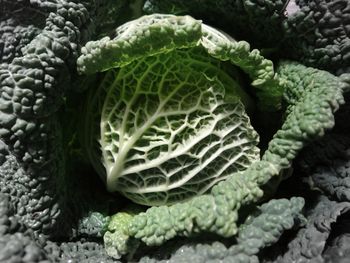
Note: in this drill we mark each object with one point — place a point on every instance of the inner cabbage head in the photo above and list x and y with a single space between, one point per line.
169 126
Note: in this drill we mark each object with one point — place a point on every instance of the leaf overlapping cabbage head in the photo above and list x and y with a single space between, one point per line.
169 115
168 121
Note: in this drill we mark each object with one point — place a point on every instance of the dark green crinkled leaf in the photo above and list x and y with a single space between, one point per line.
318 35
311 241
258 22
40 57
261 229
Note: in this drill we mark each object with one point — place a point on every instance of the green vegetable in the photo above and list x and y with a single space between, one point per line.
313 96
170 121
134 109
54 207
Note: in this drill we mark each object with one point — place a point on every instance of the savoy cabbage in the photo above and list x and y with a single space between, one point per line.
172 118
173 110
165 115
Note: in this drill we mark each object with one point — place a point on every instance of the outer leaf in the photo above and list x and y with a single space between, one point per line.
136 39
32 87
312 97
314 32
45 39
310 113
258 22
159 33
262 228
14 37
326 164
310 241
317 34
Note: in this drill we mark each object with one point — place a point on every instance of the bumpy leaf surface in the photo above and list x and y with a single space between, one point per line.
262 228
310 242
313 97
39 43
317 34
172 124
169 132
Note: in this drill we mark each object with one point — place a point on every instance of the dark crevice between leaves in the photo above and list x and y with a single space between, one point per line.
338 228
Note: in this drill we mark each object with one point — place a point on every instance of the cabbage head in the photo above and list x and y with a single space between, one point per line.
168 118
